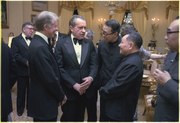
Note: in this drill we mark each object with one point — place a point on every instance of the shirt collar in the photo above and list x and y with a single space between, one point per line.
43 36
72 37
57 34
24 36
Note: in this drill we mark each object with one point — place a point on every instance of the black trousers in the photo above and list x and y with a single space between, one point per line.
22 93
91 106
103 117
45 120
74 110
4 118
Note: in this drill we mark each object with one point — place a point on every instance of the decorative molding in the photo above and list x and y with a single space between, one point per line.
39 6
33 17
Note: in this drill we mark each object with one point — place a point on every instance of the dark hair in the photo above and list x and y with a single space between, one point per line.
26 23
136 38
177 18
126 29
115 26
72 21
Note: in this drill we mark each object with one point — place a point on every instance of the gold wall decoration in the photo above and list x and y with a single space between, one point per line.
134 6
80 5
174 5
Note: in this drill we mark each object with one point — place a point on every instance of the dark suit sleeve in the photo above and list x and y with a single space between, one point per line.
44 64
169 92
16 52
93 61
120 84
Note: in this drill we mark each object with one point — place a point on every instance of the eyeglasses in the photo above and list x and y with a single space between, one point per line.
170 32
30 28
105 33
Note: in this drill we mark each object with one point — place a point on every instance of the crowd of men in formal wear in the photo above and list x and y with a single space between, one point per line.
54 69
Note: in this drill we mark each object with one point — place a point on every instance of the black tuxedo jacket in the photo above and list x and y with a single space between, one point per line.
45 91
6 102
72 72
20 54
122 90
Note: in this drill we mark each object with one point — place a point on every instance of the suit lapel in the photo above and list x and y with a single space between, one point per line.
70 49
23 42
84 52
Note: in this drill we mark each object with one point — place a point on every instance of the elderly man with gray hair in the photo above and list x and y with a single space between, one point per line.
45 90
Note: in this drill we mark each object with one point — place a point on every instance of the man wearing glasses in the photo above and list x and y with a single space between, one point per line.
20 49
167 106
108 56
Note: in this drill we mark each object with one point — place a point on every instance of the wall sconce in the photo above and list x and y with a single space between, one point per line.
154 27
10 36
100 24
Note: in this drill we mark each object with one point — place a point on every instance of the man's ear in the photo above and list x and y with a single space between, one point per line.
131 45
45 26
70 27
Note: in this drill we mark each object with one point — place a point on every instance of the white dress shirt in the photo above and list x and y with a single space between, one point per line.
77 49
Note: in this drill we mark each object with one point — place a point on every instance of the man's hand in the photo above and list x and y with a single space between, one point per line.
86 82
79 88
161 77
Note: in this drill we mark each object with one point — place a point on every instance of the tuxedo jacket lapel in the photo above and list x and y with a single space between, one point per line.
84 52
23 42
70 49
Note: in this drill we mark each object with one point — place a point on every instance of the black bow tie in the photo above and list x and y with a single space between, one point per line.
76 40
28 38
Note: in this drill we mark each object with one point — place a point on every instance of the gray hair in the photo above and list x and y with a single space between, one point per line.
43 18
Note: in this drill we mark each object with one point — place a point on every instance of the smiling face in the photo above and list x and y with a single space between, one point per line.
79 29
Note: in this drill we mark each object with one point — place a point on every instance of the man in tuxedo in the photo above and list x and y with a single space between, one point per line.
45 91
20 46
77 62
121 92
167 106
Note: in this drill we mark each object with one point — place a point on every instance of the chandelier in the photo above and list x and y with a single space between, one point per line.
113 5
